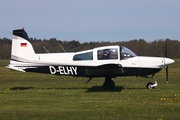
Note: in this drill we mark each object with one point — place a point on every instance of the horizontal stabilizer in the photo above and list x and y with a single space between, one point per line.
15 68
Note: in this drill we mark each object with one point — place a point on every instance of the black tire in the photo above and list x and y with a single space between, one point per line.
108 85
149 85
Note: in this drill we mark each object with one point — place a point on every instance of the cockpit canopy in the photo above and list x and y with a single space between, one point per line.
105 53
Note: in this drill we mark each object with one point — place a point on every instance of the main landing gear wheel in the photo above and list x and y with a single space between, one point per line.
108 84
150 85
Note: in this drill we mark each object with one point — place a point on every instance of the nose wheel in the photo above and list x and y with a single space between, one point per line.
151 85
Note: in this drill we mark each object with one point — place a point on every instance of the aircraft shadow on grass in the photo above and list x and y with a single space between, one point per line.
92 89
21 88
116 89
100 89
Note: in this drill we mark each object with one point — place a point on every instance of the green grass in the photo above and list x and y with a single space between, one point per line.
48 97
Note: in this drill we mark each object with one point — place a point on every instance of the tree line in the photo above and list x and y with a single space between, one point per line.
140 47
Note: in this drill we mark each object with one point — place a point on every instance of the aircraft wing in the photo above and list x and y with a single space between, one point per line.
105 70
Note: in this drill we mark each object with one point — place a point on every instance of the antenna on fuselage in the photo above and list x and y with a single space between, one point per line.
46 50
62 47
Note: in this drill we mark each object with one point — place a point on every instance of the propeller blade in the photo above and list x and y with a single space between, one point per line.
167 74
165 56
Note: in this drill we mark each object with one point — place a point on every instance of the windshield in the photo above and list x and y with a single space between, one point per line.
126 53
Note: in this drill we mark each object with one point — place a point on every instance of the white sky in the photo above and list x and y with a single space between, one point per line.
92 20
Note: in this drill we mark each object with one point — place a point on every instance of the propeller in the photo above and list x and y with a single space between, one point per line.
166 67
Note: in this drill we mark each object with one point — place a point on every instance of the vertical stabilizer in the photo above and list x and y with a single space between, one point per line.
22 50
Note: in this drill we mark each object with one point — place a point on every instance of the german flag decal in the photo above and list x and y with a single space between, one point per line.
23 44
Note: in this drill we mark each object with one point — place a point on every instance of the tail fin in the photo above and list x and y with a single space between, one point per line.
22 49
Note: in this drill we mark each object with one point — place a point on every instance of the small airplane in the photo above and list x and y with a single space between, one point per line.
108 62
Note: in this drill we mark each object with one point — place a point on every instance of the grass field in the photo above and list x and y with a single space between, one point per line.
33 96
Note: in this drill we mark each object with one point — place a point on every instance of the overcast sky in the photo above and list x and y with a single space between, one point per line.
92 20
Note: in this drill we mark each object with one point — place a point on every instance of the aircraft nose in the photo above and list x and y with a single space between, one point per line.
168 61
